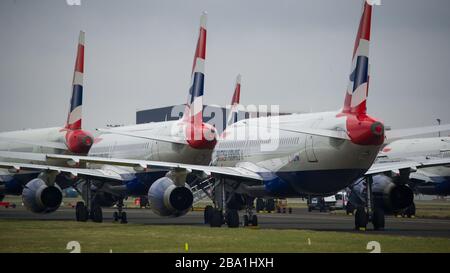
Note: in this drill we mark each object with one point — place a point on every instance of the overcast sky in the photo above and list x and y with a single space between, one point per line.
296 54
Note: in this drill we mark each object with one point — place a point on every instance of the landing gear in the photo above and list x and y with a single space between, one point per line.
120 214
81 212
361 219
250 219
370 212
232 218
216 218
410 211
378 219
259 204
207 214
96 213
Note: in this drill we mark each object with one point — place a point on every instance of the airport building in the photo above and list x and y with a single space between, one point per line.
212 114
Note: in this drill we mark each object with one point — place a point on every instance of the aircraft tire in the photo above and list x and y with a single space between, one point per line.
96 214
378 219
232 218
361 218
123 218
81 212
216 218
207 214
254 220
246 221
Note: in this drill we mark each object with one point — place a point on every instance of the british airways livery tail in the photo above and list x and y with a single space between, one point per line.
194 106
76 101
357 90
233 118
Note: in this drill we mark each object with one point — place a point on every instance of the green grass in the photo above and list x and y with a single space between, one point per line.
53 236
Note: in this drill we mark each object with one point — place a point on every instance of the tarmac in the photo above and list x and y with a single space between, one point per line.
299 219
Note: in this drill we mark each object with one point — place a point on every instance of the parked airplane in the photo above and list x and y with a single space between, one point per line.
70 138
186 140
392 191
314 154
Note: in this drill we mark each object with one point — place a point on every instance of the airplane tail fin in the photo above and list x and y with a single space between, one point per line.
76 102
233 117
194 107
358 86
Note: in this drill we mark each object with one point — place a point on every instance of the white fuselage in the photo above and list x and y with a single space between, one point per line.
308 163
119 145
437 147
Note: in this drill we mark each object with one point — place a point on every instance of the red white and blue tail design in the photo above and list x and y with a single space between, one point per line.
233 117
194 106
358 86
76 102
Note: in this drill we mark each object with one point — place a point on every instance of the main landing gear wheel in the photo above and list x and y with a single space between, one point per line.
378 219
207 214
232 218
254 220
96 214
260 204
216 218
246 221
361 219
81 212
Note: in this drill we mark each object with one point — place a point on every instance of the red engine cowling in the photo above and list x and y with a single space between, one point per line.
364 130
201 137
79 141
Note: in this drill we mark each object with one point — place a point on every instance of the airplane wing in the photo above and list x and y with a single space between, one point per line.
411 163
47 144
402 133
169 139
75 161
76 172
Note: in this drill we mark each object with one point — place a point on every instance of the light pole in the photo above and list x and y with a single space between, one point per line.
439 123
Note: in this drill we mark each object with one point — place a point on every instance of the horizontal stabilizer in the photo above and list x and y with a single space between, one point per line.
409 132
46 144
169 139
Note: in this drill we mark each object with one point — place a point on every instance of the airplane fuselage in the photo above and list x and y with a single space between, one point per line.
430 180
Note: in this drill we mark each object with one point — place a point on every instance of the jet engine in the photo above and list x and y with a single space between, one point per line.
40 198
167 199
388 194
79 141
391 196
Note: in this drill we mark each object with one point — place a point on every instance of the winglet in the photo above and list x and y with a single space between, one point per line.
75 114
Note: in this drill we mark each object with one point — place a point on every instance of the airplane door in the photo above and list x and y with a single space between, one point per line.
309 149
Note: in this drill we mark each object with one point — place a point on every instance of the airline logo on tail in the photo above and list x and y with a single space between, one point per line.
75 114
233 118
194 107
358 86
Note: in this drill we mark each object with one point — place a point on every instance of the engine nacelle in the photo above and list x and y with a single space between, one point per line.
166 199
79 141
392 197
40 198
